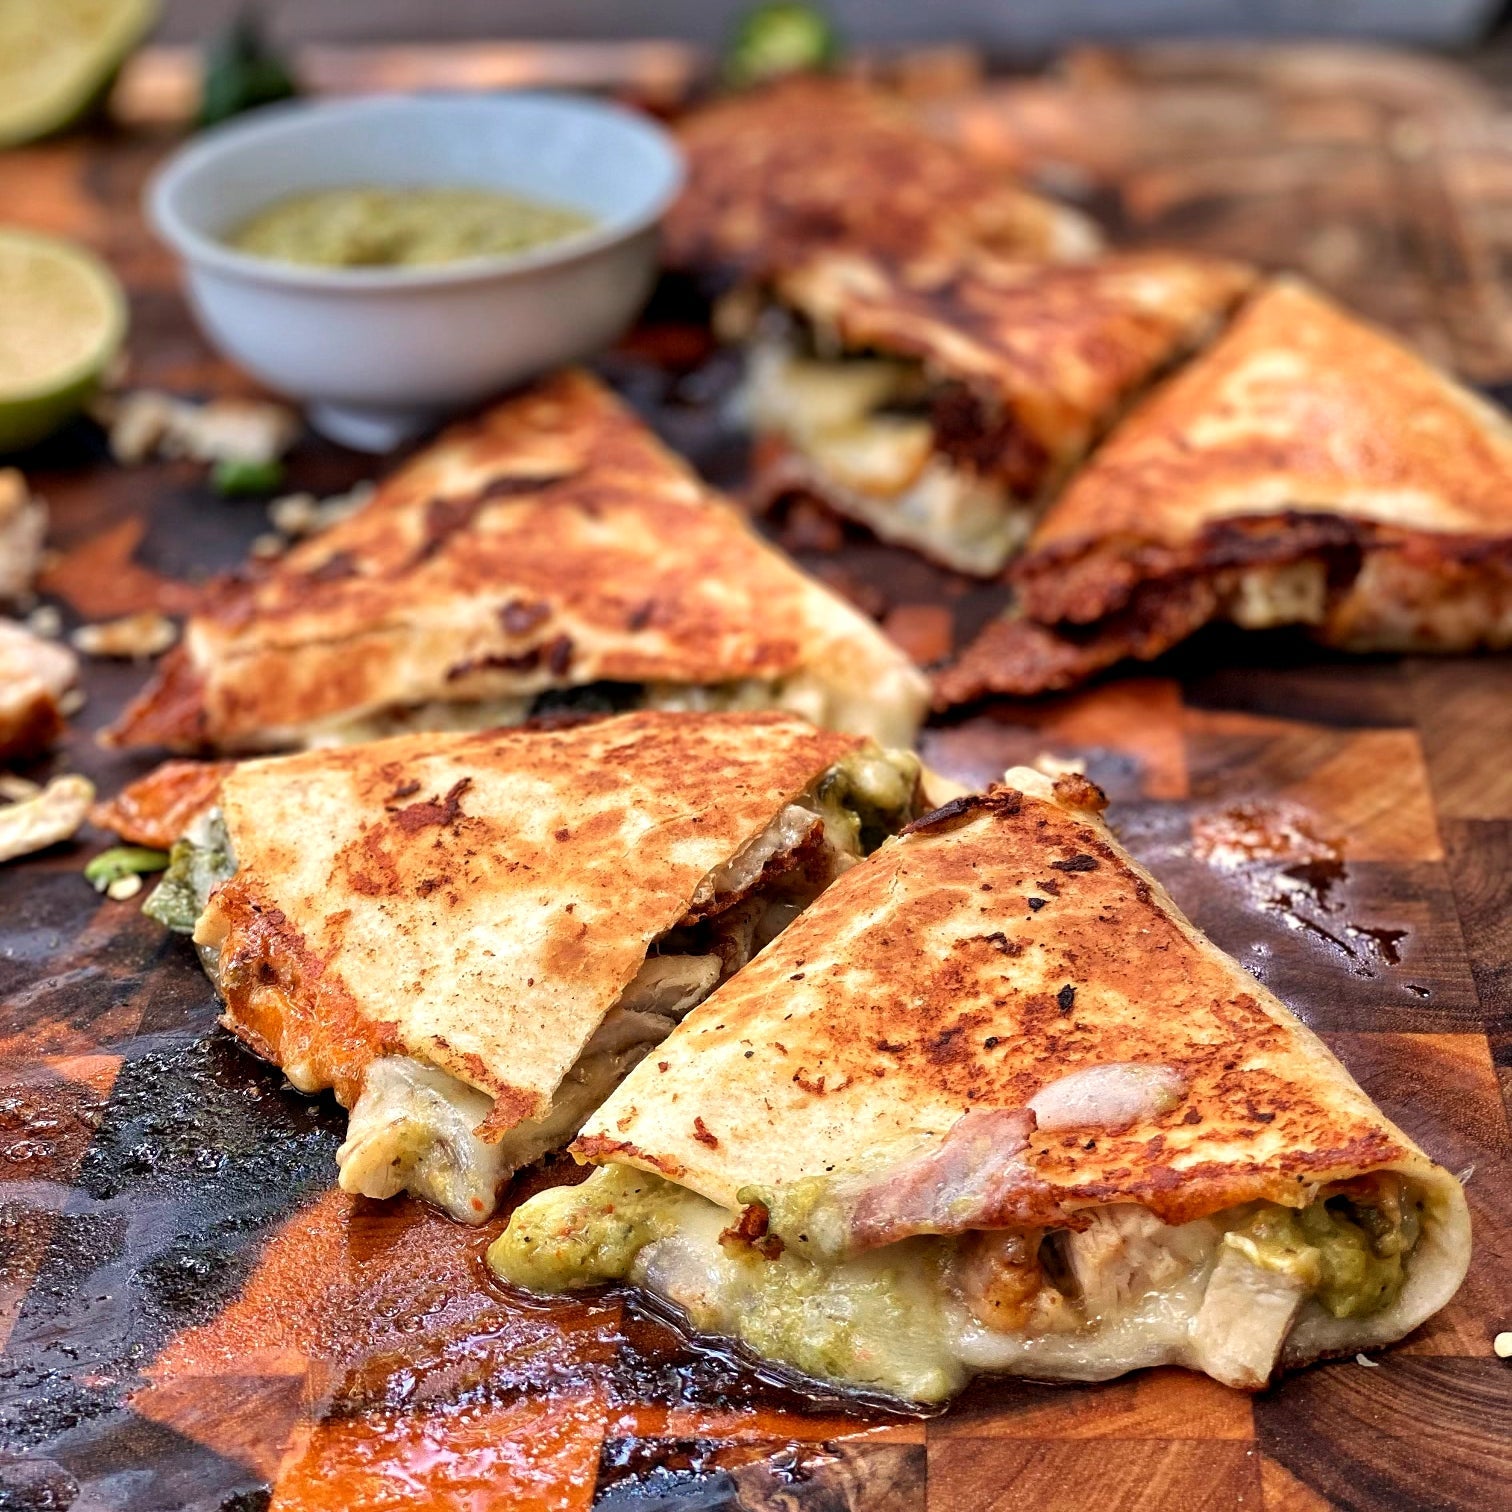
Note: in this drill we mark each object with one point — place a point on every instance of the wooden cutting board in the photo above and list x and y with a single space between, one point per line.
192 1316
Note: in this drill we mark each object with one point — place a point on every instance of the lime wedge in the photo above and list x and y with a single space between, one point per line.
62 319
57 58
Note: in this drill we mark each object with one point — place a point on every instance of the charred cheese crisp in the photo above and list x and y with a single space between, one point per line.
551 556
1306 470
942 401
472 937
806 163
993 1104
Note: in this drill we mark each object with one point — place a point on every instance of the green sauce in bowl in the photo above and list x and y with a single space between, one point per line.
369 227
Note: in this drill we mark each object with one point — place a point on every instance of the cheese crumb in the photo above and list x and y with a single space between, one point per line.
1502 1344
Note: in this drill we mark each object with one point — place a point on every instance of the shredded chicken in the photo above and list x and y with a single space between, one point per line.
1126 1251
743 870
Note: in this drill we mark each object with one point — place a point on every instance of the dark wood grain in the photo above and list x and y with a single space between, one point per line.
192 1316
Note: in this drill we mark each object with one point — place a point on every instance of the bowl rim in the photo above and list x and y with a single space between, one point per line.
203 250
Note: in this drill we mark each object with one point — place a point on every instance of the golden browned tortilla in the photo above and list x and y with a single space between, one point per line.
479 900
550 544
812 162
1307 469
996 1078
471 937
975 383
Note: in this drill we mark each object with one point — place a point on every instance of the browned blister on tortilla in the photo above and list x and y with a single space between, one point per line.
155 810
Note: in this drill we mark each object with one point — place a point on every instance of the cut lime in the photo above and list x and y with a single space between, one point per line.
62 320
57 57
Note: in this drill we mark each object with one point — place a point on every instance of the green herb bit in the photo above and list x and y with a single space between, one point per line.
235 478
780 39
123 861
242 71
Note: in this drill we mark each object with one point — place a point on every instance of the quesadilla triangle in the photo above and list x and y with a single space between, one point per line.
1306 470
942 402
471 937
779 172
993 1104
550 556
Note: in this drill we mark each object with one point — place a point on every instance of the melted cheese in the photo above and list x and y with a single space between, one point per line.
881 468
1139 1292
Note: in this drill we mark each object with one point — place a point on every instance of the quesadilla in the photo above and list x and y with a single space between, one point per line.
1307 470
472 937
776 173
993 1104
550 556
942 402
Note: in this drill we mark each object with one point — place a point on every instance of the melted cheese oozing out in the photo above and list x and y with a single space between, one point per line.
1137 1292
411 1129
881 469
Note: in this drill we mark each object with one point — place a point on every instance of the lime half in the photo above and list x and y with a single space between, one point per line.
57 57
62 319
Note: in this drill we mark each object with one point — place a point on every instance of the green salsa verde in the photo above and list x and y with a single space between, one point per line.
370 227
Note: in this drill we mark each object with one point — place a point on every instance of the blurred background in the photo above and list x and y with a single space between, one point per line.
1026 27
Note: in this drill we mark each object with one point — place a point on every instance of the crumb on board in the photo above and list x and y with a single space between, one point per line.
51 816
133 637
302 514
144 423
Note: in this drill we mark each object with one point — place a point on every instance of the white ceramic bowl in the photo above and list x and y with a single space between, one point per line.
380 353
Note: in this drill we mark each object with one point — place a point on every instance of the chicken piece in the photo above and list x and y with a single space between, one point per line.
1125 1252
35 675
412 1129
145 423
1247 1312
